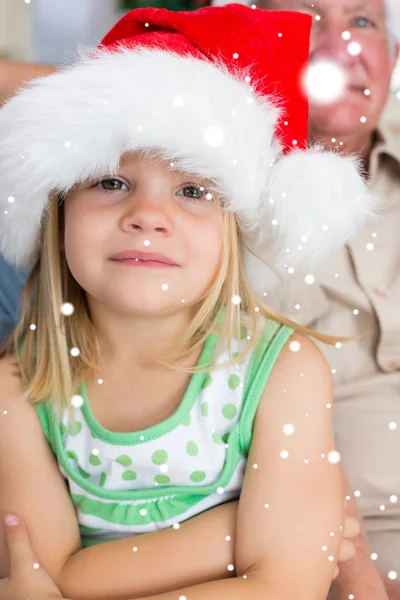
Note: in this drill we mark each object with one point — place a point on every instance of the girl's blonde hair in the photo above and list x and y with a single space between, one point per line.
44 337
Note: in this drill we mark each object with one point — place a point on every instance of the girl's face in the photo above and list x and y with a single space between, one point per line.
146 208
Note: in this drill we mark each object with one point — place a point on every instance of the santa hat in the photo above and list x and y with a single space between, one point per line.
217 91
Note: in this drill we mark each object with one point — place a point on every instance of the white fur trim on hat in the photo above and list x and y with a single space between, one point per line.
77 124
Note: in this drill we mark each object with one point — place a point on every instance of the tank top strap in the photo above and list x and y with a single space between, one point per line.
273 338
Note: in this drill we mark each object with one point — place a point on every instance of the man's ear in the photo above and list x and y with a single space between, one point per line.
396 55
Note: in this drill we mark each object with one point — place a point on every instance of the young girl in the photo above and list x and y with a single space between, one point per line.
149 186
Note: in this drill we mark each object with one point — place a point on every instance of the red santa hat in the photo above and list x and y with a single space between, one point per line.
217 91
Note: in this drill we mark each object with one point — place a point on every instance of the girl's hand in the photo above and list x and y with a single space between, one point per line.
348 548
27 579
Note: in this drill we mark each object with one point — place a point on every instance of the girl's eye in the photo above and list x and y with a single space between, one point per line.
192 192
111 185
363 22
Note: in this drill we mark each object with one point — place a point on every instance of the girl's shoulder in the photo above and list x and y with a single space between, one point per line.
10 378
15 410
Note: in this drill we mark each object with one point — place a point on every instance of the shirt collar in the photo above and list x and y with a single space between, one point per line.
386 144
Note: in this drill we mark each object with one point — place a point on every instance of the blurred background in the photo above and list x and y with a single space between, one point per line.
49 31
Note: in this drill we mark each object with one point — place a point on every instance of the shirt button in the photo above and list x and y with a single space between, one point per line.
381 293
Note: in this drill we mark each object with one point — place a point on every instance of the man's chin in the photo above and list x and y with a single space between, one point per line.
337 122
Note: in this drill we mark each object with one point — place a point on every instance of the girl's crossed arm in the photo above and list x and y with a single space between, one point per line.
291 512
32 486
290 505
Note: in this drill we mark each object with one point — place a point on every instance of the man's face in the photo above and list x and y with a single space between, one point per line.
368 73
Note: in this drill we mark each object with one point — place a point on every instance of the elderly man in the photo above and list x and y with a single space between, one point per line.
357 293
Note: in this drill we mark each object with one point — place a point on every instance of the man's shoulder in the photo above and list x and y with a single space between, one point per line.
301 296
388 141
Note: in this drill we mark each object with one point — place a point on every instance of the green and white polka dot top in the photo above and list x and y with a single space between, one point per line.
124 484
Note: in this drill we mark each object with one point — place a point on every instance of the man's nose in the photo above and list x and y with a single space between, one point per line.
329 43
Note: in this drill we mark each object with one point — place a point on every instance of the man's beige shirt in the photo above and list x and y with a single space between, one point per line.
357 293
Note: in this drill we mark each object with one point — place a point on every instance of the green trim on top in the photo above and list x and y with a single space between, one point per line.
41 410
259 374
129 515
87 542
232 458
151 433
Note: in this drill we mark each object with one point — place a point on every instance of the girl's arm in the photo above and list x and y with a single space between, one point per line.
291 511
30 481
165 560
33 488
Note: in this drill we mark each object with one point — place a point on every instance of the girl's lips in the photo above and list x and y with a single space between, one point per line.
145 256
136 262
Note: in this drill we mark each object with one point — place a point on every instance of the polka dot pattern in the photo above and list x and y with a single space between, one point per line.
187 420
83 473
197 476
124 460
192 449
207 381
159 457
129 475
204 409
162 479
75 428
72 455
216 438
234 381
229 411
94 460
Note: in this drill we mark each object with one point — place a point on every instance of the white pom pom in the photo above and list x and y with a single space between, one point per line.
320 202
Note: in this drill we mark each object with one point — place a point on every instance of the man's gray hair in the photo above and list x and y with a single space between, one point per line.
392 8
